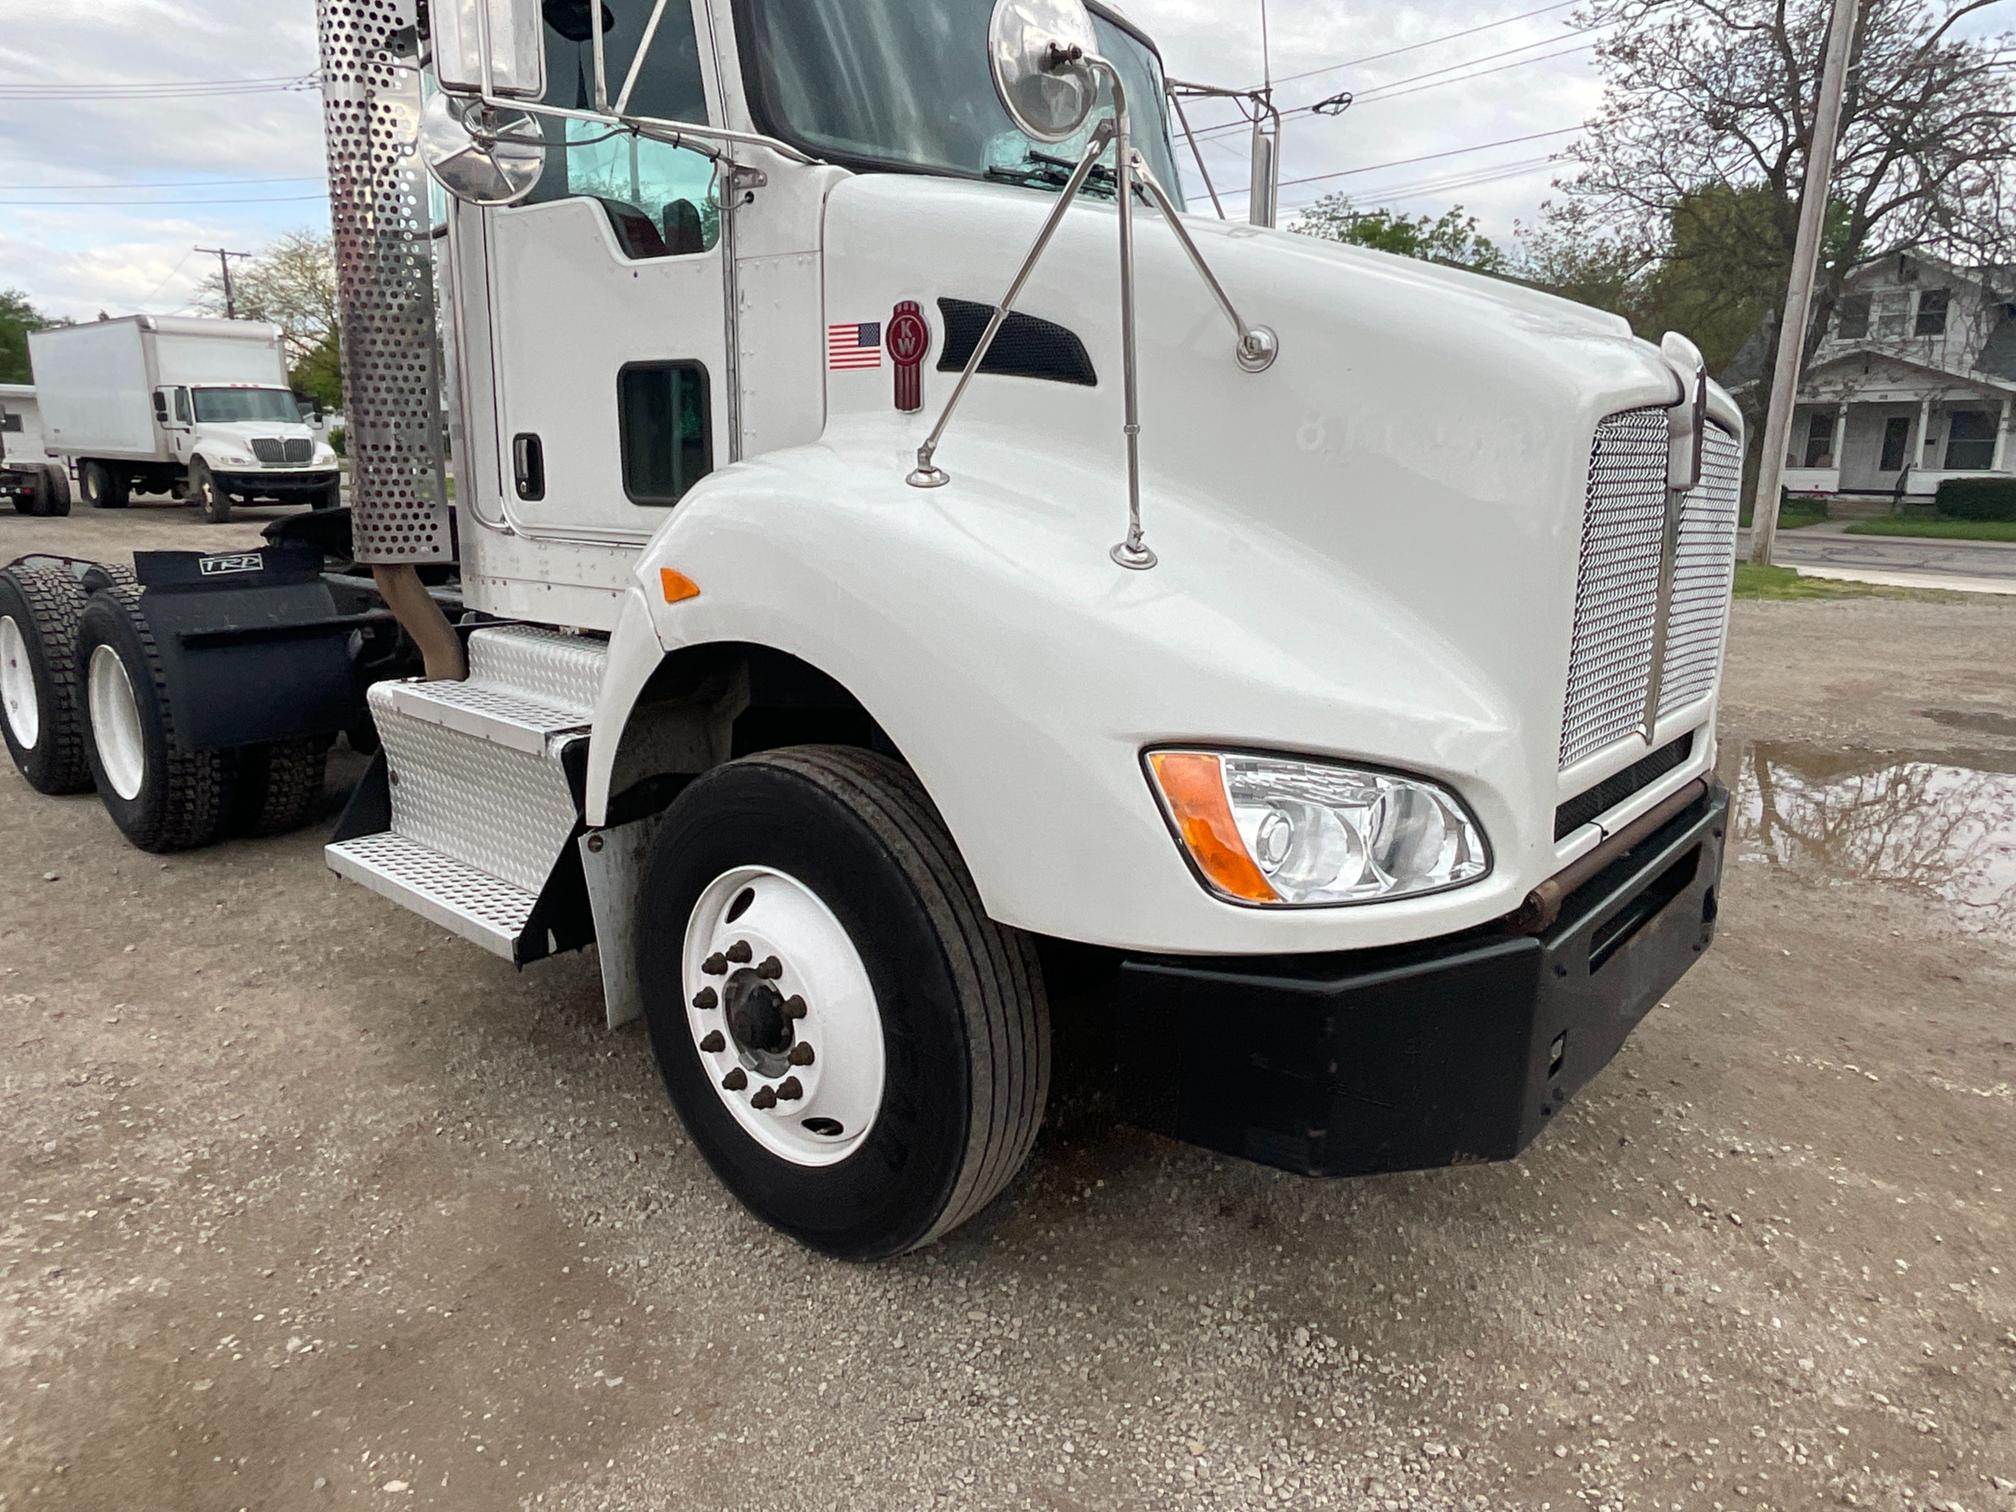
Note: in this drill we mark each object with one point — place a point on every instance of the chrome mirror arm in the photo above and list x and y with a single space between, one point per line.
1258 345
927 474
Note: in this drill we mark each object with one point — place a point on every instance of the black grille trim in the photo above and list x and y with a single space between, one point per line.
1611 791
1025 348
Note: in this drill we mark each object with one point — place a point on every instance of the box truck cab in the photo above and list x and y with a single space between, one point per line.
199 409
30 479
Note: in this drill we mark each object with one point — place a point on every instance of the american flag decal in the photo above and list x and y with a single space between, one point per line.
856 345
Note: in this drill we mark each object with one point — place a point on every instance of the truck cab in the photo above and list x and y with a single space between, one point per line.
912 577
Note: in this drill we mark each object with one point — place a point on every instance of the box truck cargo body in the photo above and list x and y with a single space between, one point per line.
197 408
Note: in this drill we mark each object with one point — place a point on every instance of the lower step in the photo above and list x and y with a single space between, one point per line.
475 905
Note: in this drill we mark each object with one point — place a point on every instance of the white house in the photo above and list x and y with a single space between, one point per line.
1914 382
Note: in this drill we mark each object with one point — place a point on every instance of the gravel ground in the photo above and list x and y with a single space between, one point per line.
303 1203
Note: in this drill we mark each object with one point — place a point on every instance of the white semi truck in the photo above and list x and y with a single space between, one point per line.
195 408
1309 655
33 481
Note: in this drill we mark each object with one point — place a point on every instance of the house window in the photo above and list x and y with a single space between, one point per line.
664 414
1819 441
1970 441
1932 307
1854 323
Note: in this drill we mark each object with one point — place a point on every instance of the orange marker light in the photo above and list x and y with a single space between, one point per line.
1194 788
678 587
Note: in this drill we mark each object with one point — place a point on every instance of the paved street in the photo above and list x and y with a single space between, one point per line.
1832 547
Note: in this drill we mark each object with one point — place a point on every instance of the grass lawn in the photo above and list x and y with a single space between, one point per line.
1938 530
1754 582
1795 515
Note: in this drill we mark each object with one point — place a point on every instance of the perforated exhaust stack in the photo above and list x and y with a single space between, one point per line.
385 285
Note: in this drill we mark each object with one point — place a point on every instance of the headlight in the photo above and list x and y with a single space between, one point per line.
1275 831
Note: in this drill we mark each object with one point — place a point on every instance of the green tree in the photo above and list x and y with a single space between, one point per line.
292 283
17 318
1451 238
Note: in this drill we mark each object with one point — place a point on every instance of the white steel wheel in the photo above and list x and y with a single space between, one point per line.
115 724
19 704
784 1016
858 1051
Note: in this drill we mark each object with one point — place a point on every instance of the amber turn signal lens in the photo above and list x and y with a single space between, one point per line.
678 587
1193 786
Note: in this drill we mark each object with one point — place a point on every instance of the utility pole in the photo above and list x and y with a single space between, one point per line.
1813 201
224 261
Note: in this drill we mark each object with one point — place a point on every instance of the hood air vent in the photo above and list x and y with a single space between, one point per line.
1026 348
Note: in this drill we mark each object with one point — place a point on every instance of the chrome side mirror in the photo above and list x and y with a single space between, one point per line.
479 154
514 31
1037 50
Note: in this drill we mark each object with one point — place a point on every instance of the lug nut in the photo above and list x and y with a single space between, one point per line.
735 1080
794 1007
714 1044
715 965
788 1090
707 998
740 953
771 969
801 1054
764 1098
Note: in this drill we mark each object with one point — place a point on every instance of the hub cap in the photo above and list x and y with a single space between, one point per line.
17 686
115 724
783 1016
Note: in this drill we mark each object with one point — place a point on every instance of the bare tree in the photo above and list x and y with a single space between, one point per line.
1705 93
292 283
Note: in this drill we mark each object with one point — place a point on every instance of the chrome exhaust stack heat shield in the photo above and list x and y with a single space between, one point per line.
378 200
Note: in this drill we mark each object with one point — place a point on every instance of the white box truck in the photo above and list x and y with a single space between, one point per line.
34 482
1367 781
195 408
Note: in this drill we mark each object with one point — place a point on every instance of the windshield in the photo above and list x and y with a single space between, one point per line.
892 83
222 406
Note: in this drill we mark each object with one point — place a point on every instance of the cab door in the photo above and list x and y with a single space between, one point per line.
609 293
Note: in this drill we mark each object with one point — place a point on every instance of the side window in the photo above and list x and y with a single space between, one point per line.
1854 324
664 413
182 406
1932 307
660 199
10 424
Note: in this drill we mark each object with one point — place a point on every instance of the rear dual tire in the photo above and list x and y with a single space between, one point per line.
41 697
103 488
832 866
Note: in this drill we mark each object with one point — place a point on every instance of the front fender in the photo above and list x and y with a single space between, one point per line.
1022 675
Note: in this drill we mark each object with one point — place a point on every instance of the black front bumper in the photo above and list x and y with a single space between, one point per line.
276 485
1440 1054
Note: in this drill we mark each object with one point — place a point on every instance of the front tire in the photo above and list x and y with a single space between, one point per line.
162 799
41 702
207 494
103 488
812 932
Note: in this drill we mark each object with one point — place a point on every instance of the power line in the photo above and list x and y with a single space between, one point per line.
1426 157
166 90
1392 89
173 274
1431 42
231 183
271 199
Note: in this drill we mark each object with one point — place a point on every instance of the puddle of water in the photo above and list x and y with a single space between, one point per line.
1943 825
1975 721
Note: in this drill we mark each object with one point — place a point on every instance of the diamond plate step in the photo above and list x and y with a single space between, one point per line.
453 894
550 667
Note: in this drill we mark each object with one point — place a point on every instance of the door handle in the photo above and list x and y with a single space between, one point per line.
528 462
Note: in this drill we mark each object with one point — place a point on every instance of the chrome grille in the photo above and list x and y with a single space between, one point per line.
1617 590
299 451
1704 568
269 450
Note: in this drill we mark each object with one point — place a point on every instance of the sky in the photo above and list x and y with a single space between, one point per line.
102 199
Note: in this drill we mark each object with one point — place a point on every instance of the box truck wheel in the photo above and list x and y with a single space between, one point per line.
161 799
279 786
41 711
206 494
861 1054
52 493
103 488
